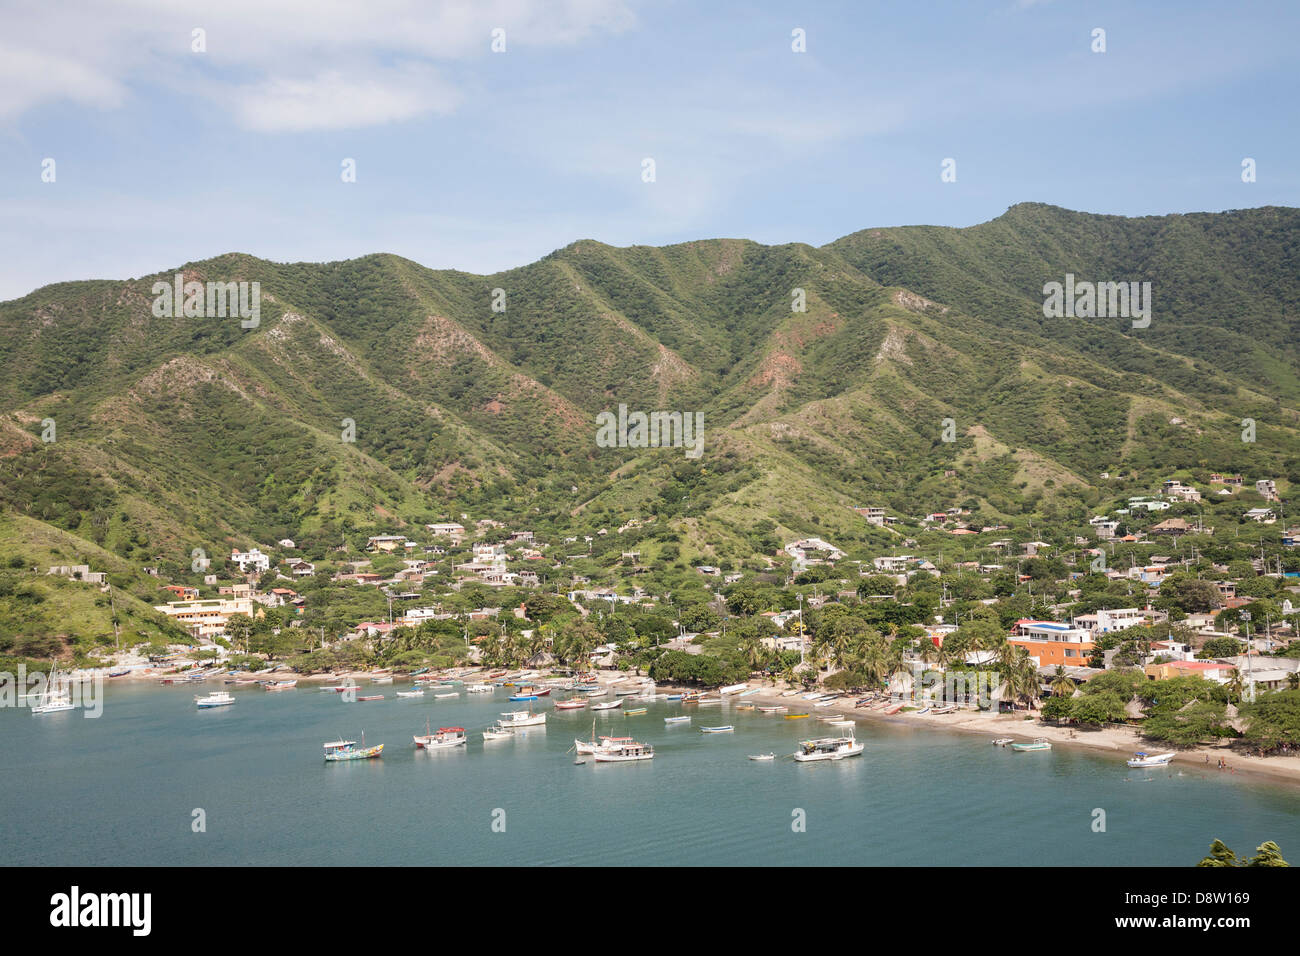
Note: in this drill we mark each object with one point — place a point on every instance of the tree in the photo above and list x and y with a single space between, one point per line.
1266 854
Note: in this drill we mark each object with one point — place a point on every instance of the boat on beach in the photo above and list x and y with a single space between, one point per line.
1144 759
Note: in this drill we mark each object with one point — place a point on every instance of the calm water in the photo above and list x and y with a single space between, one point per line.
121 789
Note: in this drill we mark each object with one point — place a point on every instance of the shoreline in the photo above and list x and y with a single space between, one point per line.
1121 741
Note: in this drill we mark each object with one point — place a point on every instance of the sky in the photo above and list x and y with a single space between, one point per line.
170 147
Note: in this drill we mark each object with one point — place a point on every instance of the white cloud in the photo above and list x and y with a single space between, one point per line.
290 65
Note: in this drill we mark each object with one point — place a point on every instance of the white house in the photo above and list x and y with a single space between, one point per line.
253 560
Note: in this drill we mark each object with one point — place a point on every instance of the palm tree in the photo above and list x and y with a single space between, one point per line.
1062 685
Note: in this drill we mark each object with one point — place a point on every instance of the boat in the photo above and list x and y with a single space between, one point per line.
841 723
348 750
924 710
445 696
673 696
708 701
280 685
1039 744
522 718
444 739
371 697
607 705
604 691
628 691
479 689
497 732
625 753
605 743
220 699
828 748
725 729
893 708
795 716
633 711
789 693
1003 741
54 697
573 703
410 693
385 679
677 720
945 709
733 689
1144 759
772 710
762 756
514 698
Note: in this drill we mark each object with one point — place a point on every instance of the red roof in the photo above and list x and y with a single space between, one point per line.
1199 665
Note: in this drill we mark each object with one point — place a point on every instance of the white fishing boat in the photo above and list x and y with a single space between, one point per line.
479 688
841 723
1143 759
677 720
607 705
772 710
522 718
382 679
717 730
762 756
219 699
445 739
625 753
497 732
1003 741
445 696
828 748
603 692
733 689
410 693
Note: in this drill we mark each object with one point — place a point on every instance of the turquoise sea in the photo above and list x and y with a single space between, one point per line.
122 790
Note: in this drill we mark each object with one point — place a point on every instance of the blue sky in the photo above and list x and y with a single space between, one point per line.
481 161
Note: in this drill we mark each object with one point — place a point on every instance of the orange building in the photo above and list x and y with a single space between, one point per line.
1053 643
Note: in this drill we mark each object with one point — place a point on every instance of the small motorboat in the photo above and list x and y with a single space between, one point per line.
1003 741
1040 744
677 720
762 756
371 697
445 696
497 732
633 711
608 705
725 729
410 693
795 716
1143 759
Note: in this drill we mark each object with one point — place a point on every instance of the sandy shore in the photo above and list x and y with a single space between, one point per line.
1123 742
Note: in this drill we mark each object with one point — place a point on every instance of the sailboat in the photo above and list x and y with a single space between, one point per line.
54 698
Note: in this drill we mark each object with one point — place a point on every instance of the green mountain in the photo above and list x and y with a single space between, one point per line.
178 433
